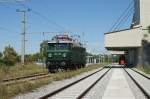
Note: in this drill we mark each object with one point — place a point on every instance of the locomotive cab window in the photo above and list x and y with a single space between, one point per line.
51 46
62 46
58 46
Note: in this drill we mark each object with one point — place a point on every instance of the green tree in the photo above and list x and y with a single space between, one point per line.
10 56
32 57
88 54
43 48
1 55
37 56
29 58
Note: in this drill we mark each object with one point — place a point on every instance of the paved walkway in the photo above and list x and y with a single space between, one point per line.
118 87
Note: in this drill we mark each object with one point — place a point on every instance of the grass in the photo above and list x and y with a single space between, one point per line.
6 92
69 74
145 69
19 70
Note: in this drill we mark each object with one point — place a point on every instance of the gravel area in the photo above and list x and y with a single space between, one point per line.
74 91
51 87
136 91
98 90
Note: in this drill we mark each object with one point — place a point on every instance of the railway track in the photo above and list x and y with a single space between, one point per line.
79 88
11 81
83 88
23 78
141 74
142 81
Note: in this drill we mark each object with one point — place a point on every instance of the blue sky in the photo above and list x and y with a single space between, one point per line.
89 17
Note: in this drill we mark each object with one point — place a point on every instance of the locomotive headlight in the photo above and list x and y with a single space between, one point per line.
48 63
63 63
50 55
64 54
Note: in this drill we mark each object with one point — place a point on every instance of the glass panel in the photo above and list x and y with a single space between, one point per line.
51 46
58 46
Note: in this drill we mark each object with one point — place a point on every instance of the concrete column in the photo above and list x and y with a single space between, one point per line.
131 57
94 60
146 54
140 56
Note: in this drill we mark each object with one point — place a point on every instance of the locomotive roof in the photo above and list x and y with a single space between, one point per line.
60 42
65 39
69 42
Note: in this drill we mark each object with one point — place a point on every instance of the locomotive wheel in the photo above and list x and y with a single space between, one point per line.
82 65
51 70
73 67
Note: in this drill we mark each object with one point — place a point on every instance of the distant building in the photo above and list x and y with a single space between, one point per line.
136 39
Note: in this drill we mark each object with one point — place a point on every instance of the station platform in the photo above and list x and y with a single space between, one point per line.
118 87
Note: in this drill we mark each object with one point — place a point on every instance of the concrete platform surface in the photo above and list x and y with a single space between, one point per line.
118 87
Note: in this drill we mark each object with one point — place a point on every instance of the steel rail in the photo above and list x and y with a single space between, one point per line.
90 87
69 85
22 77
17 79
141 74
147 95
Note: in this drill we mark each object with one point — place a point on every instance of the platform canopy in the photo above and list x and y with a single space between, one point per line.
117 52
124 39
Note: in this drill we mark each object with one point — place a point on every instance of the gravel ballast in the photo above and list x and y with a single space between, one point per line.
51 87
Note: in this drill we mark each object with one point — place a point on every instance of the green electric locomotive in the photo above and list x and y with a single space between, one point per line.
63 52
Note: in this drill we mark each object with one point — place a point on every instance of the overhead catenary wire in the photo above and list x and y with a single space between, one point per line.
4 28
40 15
12 1
48 20
8 30
59 27
4 5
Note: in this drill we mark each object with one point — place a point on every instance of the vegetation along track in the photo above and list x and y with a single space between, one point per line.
143 90
11 81
23 78
92 80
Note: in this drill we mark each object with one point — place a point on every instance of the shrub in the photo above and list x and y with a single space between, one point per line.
10 56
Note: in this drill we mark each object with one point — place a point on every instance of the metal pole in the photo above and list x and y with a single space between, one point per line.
23 35
43 61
